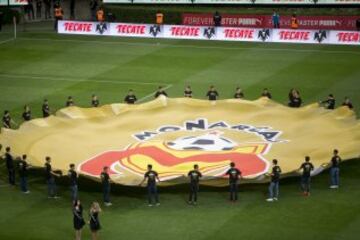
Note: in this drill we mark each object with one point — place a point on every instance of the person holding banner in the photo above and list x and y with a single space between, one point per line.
347 103
274 183
105 180
130 98
188 92
50 179
238 93
73 176
266 93
7 120
151 176
23 168
95 101
46 109
194 176
212 94
334 169
27 113
58 13
9 159
329 103
307 167
234 176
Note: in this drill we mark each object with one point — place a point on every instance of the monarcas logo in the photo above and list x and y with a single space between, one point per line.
101 27
211 145
320 36
209 32
154 30
264 34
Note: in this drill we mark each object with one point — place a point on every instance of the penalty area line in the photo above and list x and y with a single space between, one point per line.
153 93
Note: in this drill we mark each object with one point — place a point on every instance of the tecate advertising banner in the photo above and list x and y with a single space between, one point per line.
265 21
18 2
209 33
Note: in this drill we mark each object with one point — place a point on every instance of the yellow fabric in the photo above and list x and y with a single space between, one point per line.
107 134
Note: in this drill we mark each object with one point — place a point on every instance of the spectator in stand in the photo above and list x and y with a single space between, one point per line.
275 19
358 24
329 103
294 22
217 19
93 6
47 4
59 14
294 98
7 120
100 15
30 10
159 18
348 103
38 8
72 9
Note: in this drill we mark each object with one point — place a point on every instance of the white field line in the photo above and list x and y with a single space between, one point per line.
64 79
152 94
7 40
194 46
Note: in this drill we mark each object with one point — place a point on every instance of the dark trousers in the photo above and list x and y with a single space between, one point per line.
194 189
276 25
334 176
233 191
23 183
56 22
305 183
51 187
74 192
106 193
11 173
152 193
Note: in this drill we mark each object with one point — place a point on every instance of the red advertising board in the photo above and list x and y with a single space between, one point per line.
264 21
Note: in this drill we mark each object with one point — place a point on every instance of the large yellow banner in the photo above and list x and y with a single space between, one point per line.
175 134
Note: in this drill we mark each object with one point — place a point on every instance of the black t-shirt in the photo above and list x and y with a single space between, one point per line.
7 121
162 92
46 110
239 95
295 102
349 105
95 103
26 115
330 103
307 167
233 174
69 103
73 177
23 168
48 170
188 93
130 99
212 95
275 176
335 161
194 176
105 178
268 95
217 20
9 161
151 176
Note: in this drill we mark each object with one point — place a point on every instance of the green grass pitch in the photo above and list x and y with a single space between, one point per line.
45 65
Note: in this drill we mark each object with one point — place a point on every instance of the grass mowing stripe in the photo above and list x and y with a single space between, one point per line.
7 40
193 46
153 93
74 80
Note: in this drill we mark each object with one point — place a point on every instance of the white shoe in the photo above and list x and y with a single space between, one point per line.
150 205
27 192
108 204
157 204
333 186
269 199
275 199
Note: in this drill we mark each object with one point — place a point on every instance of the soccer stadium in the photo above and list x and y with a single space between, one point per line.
179 119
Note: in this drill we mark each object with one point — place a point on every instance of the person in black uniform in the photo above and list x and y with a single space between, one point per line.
6 119
151 177
188 92
130 98
23 168
105 179
348 103
70 101
94 220
307 167
266 93
45 108
212 94
95 101
334 169
274 183
329 103
160 91
72 174
234 176
238 93
78 219
295 100
217 19
194 176
27 113
50 179
10 166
